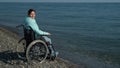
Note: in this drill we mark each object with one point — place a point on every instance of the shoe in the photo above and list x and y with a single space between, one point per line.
52 54
56 54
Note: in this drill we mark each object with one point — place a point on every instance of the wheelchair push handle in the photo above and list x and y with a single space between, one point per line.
21 25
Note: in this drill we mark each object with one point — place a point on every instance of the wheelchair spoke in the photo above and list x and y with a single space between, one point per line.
37 51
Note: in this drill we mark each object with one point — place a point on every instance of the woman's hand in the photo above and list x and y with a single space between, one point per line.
49 33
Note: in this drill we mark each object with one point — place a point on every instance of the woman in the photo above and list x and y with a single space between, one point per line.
31 22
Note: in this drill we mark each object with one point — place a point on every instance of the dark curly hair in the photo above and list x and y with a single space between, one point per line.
30 10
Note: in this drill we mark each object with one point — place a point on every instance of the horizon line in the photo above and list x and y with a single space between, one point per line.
57 2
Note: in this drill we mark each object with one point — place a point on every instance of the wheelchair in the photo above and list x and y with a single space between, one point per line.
33 49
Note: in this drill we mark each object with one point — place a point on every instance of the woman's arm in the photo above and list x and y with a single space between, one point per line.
32 23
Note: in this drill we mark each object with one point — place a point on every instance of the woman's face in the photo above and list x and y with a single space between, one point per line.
32 14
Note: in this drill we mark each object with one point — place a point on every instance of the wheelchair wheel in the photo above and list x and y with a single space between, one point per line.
36 51
20 49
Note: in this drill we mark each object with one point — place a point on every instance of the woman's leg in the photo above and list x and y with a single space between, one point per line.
49 43
50 46
47 39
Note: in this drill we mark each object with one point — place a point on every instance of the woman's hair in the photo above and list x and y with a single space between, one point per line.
30 10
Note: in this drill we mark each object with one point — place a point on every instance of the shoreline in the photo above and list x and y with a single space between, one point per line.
85 61
15 37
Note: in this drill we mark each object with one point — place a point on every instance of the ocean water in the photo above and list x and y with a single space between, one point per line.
83 33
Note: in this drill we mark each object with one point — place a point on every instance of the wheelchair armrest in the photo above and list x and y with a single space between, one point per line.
44 35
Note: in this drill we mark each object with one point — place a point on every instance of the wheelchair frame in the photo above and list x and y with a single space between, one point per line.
29 43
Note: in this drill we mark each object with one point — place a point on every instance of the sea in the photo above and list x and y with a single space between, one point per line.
83 33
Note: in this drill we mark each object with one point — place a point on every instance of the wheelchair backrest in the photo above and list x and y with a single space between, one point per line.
29 35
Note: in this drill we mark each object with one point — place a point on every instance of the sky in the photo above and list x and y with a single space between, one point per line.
59 0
